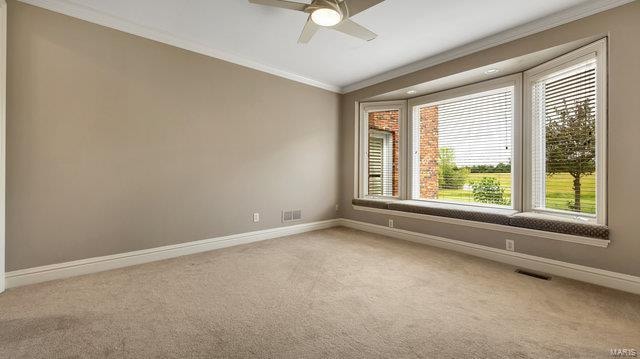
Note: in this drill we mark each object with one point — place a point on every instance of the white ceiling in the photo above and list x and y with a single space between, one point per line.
266 38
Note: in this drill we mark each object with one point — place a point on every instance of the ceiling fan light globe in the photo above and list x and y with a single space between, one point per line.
326 17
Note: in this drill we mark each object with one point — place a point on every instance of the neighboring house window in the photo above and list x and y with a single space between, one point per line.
531 142
380 168
383 172
566 123
463 144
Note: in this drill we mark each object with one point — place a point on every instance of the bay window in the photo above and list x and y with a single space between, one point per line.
532 143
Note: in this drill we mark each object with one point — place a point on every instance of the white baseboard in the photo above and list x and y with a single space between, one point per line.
98 264
601 277
624 282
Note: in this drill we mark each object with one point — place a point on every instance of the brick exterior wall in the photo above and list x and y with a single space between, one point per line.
389 121
429 152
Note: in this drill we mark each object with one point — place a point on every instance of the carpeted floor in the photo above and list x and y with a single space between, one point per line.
336 293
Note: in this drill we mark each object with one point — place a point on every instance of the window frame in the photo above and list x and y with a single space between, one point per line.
362 134
597 50
415 104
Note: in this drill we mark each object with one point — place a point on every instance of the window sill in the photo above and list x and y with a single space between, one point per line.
497 219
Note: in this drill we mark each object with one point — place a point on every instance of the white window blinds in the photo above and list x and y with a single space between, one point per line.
465 149
564 139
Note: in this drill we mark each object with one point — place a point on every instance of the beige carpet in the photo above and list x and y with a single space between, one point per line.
335 293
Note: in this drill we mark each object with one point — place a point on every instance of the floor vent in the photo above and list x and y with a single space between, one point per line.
534 275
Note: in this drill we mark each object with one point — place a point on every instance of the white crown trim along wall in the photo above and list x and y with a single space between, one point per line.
85 13
114 22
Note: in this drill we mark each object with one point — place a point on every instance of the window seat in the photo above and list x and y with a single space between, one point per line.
559 225
371 203
500 216
488 215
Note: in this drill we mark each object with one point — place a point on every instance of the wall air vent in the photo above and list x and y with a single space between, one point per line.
291 216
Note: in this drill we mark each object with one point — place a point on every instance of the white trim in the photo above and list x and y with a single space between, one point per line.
3 135
582 273
467 91
99 264
598 51
356 151
548 22
492 226
97 17
516 142
93 265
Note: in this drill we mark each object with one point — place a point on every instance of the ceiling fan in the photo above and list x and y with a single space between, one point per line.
333 14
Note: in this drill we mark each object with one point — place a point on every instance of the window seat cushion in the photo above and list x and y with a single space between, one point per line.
559 225
371 203
487 215
505 217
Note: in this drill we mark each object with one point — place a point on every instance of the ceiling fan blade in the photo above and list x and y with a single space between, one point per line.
291 5
352 28
358 6
310 29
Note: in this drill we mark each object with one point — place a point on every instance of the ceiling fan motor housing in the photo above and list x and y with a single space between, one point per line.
336 5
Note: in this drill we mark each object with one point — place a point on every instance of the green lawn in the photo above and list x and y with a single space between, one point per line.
559 190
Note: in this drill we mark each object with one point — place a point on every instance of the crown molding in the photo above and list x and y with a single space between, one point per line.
97 17
557 19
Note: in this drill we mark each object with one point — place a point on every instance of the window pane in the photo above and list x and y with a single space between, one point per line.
383 153
465 147
564 140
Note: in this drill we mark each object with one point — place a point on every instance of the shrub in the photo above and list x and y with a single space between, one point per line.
489 190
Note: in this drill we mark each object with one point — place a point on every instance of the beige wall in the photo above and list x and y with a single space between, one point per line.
117 143
623 255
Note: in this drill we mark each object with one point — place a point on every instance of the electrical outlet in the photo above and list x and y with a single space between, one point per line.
510 245
337 207
391 223
256 217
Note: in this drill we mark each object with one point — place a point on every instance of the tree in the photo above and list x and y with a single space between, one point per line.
499 168
571 144
449 175
489 190
502 168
